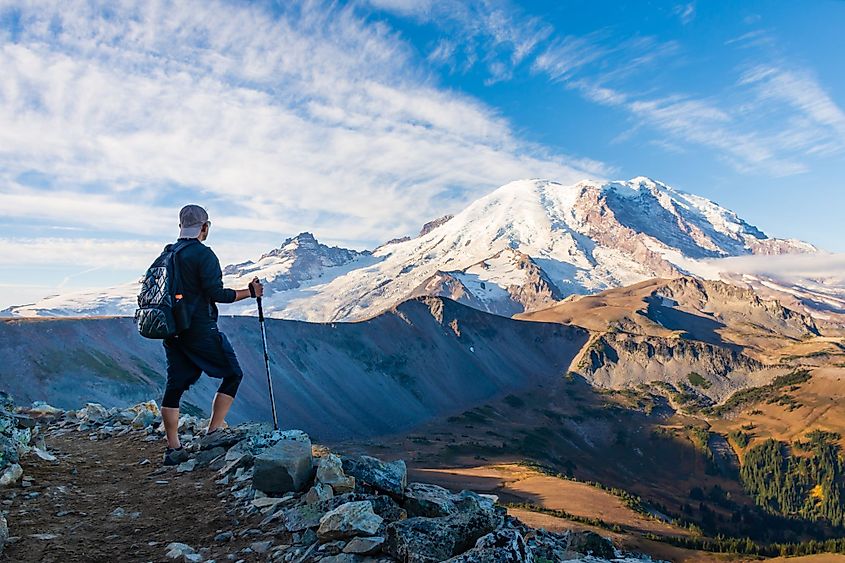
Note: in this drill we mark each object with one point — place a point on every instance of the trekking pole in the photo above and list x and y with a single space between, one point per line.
267 362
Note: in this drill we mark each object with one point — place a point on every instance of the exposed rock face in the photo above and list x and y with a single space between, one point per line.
431 225
391 478
507 283
618 360
285 467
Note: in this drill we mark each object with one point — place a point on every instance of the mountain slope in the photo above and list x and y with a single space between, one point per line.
521 247
425 358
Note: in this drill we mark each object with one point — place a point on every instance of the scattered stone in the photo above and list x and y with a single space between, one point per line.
11 475
283 468
261 546
205 457
224 438
330 472
349 520
341 558
44 537
144 461
187 466
388 477
364 546
118 512
182 551
43 454
224 536
4 533
319 492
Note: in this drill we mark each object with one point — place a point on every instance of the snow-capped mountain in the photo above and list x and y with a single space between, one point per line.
524 246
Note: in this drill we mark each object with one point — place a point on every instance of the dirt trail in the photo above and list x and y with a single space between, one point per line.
71 504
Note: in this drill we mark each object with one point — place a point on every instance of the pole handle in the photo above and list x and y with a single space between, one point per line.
260 310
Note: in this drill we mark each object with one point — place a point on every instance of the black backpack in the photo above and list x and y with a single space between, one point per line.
162 311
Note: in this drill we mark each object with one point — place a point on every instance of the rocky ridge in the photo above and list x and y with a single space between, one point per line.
299 502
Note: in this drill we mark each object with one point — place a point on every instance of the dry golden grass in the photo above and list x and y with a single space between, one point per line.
822 400
524 484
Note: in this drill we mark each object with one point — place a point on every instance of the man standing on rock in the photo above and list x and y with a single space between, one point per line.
201 347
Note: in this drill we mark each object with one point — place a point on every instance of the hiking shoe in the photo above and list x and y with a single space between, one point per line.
176 456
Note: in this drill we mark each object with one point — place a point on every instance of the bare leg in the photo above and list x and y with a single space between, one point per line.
170 416
219 409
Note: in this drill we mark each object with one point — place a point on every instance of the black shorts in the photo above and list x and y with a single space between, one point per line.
201 350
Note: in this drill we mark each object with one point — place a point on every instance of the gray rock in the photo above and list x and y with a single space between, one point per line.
8 451
207 456
283 468
590 543
4 533
388 477
186 467
423 499
342 558
330 472
349 520
364 546
261 546
225 438
425 540
182 552
318 493
302 517
224 536
11 475
501 546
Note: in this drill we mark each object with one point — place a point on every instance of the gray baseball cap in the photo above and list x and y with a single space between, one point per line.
191 219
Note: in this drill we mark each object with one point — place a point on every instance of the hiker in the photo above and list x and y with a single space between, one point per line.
201 347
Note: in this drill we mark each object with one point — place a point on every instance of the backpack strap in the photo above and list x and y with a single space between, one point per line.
175 248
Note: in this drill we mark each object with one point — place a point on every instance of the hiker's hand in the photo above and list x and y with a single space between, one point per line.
256 288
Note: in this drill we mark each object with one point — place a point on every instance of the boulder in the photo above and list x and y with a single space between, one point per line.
40 408
330 472
285 467
364 546
590 543
388 477
224 438
420 540
319 492
423 499
11 475
501 546
349 520
8 451
424 540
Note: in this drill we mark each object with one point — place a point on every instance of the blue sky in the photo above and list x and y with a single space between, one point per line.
360 121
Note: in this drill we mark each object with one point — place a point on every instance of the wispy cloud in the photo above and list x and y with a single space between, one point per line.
766 118
281 118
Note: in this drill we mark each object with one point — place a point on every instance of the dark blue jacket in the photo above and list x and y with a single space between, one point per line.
201 282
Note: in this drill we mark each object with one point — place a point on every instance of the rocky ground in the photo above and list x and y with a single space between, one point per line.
88 485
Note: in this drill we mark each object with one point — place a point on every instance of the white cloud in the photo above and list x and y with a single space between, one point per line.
313 113
685 12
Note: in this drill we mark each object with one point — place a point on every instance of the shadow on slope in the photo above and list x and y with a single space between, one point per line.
425 358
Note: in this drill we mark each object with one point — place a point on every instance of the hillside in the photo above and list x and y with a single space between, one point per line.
427 357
